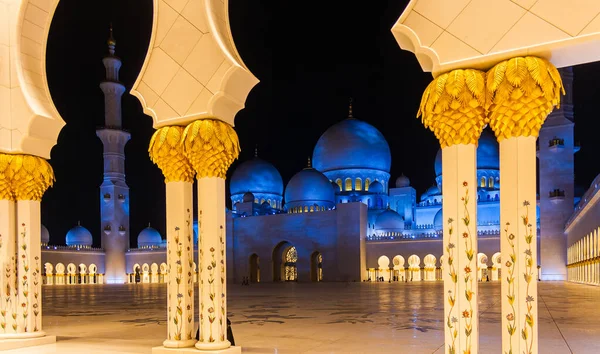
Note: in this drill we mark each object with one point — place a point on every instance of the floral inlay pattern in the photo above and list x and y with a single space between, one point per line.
24 280
190 279
178 314
452 321
528 320
200 273
222 321
469 279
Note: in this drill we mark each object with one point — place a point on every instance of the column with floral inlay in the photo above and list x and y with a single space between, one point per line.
211 146
521 93
166 150
453 108
25 178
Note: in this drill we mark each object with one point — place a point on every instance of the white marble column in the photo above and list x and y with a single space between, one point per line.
8 283
212 264
180 260
166 150
460 248
518 245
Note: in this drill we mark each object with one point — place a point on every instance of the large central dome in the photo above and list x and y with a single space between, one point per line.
352 144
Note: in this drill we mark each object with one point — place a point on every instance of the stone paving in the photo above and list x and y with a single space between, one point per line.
312 318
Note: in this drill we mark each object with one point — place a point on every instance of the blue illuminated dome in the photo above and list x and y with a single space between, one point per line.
352 144
79 236
389 221
256 176
488 156
438 221
149 237
45 235
307 188
376 187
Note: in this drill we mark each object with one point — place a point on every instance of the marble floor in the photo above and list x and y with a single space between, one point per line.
312 318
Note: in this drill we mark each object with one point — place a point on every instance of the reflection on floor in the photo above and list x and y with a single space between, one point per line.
312 318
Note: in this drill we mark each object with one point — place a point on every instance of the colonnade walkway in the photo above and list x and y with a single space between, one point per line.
312 318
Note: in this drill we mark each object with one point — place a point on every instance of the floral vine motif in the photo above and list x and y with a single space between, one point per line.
24 279
190 279
4 299
36 293
510 279
528 276
451 321
222 321
467 314
211 281
200 271
178 316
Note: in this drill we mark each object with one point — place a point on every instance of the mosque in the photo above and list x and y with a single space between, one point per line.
340 218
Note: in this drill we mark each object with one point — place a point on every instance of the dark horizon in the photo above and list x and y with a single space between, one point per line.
309 64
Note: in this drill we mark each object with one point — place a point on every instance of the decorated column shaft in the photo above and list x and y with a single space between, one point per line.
453 108
211 146
166 150
25 178
521 93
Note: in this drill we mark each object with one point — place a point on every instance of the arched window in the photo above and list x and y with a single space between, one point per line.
358 184
491 182
339 183
291 257
306 208
269 201
255 200
312 208
348 184
482 182
262 200
367 183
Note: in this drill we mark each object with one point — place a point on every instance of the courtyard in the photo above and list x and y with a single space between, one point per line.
312 318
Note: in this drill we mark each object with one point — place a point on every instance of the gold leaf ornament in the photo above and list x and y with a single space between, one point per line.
521 92
211 146
24 177
453 107
166 151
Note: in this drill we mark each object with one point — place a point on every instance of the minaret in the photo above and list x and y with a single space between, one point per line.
556 182
114 192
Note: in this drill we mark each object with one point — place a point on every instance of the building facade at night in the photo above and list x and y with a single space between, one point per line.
341 218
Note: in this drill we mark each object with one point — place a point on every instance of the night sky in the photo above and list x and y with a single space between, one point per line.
310 57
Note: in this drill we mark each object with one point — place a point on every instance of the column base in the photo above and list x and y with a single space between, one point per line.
8 344
193 350
176 344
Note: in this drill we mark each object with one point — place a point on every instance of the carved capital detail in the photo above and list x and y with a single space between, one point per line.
211 146
166 151
24 177
453 107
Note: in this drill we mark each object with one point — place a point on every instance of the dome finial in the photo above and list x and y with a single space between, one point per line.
148 224
309 165
78 222
256 150
111 41
350 115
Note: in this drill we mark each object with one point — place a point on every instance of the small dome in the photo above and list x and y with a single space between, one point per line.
389 220
256 176
248 197
433 190
309 186
79 236
149 237
351 144
376 187
488 156
402 181
438 221
45 235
